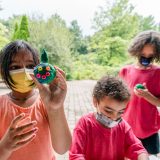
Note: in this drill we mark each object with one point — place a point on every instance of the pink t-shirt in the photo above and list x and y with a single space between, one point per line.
41 147
142 116
92 141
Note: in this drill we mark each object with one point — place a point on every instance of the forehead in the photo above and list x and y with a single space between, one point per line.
21 56
112 103
148 49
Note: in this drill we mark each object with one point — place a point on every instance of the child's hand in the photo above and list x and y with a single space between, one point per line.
144 93
18 136
53 94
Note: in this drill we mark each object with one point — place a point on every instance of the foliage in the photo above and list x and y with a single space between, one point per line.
15 31
118 18
108 48
3 32
79 45
80 57
10 24
86 68
55 37
147 23
21 31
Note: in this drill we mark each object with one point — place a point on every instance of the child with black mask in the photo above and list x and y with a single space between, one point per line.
142 113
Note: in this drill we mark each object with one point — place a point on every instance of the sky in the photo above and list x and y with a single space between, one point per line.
80 10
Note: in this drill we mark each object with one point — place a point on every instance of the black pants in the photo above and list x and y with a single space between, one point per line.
151 144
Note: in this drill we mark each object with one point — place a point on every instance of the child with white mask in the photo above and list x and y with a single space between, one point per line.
104 134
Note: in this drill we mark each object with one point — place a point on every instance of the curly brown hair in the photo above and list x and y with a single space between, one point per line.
144 38
113 87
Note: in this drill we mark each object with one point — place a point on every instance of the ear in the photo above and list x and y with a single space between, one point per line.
95 102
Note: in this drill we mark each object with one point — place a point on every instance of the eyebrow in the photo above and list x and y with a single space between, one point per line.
151 54
26 61
106 107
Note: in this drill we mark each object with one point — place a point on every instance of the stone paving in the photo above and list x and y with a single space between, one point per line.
78 102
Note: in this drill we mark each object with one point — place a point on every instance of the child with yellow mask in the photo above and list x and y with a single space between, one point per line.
32 121
24 82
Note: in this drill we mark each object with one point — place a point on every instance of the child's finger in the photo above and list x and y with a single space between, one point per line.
60 70
16 120
25 136
25 142
144 84
61 81
59 77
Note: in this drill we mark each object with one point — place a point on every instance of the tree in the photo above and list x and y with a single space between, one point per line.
3 32
147 23
118 18
16 29
108 49
79 44
53 35
116 24
22 31
3 39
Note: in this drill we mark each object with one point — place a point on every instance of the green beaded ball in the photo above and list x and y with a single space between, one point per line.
140 86
44 72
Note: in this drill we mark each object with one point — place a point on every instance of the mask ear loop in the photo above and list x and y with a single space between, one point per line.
98 110
28 72
95 102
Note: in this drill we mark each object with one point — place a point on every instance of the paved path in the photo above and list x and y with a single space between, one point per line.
77 103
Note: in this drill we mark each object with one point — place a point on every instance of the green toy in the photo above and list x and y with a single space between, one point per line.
140 86
44 72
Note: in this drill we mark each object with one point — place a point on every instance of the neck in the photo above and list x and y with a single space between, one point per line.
143 67
21 97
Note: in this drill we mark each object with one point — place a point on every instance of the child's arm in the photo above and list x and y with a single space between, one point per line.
53 96
133 147
60 133
143 156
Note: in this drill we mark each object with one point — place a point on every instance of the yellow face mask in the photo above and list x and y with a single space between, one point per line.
22 79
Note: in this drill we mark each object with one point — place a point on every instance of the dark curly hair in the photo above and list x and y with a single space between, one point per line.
6 55
144 38
113 87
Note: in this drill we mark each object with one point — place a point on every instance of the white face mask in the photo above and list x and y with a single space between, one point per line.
107 122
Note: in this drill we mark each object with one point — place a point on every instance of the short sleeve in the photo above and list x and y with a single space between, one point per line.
77 150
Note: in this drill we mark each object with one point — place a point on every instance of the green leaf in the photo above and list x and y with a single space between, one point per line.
44 57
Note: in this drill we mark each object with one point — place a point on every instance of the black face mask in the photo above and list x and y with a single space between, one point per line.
145 61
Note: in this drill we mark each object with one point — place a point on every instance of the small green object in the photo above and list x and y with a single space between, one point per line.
44 72
140 86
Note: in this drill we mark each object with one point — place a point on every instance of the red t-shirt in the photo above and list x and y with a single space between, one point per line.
142 116
92 141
